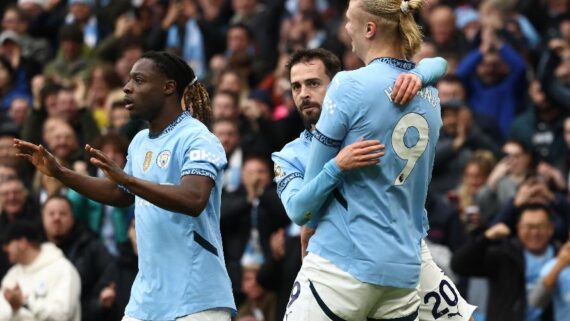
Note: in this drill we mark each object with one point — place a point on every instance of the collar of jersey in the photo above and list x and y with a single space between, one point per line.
307 135
171 126
398 63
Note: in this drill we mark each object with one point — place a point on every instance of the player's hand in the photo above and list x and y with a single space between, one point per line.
405 88
306 234
360 154
107 296
110 168
497 232
43 160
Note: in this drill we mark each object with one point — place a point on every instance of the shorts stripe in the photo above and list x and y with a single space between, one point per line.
322 304
410 317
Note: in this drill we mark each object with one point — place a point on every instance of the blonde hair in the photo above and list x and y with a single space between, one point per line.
398 15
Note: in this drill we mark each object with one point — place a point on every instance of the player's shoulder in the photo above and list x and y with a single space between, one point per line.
138 138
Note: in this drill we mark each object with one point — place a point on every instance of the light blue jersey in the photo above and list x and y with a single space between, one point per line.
291 161
561 295
374 232
181 261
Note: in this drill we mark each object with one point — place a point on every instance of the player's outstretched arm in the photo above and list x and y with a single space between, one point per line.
426 73
99 189
190 197
303 199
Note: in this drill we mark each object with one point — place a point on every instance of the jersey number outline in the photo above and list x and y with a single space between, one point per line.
442 294
409 154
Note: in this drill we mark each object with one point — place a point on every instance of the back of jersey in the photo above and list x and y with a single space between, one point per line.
384 215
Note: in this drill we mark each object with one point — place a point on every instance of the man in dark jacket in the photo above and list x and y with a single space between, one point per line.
83 249
249 217
512 265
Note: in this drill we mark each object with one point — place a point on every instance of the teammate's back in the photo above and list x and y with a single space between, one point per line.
378 219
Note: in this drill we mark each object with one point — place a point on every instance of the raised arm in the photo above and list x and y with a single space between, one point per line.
190 197
101 190
430 70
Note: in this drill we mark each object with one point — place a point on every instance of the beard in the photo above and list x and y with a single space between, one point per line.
309 116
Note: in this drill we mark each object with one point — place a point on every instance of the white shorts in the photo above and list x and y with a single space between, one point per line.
208 315
323 292
440 299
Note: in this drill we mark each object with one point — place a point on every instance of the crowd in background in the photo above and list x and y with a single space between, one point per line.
498 207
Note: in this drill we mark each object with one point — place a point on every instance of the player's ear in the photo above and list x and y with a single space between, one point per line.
370 29
169 87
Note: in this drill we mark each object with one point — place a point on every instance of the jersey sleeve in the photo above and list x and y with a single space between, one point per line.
302 202
203 156
128 169
339 109
430 70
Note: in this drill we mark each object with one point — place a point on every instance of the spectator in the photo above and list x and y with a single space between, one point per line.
15 204
9 87
505 178
475 174
259 303
108 222
186 34
450 42
72 59
82 249
512 265
18 111
249 216
16 19
81 13
494 75
227 132
118 279
459 138
554 285
540 126
42 284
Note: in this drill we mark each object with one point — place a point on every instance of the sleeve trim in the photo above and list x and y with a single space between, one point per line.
199 172
325 140
285 181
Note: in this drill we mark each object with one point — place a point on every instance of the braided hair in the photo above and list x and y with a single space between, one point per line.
193 94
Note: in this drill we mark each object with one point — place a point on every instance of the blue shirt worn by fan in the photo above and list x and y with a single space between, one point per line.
181 261
373 225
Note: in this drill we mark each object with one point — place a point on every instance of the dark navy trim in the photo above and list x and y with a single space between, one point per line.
338 196
205 244
322 304
199 172
170 127
410 317
124 189
307 135
285 181
398 63
327 141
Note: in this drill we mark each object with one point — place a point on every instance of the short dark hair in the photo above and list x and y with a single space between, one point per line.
115 139
58 197
71 32
330 60
534 207
244 27
22 228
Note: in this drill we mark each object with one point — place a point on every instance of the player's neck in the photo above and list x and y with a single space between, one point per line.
163 119
382 51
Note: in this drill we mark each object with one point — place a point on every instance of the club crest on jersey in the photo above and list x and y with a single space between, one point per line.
147 160
162 159
278 171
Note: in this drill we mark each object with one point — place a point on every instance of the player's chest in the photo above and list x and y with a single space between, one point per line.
155 162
